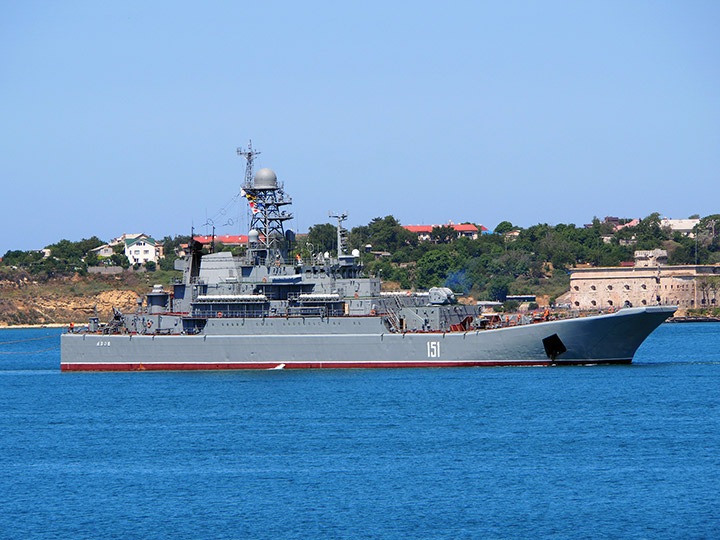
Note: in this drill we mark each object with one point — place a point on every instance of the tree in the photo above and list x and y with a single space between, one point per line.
504 227
171 244
168 262
86 244
714 284
444 234
682 253
21 258
498 289
649 233
385 234
709 225
323 237
433 268
65 250
556 249
120 260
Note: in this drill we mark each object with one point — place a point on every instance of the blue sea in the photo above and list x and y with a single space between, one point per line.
562 452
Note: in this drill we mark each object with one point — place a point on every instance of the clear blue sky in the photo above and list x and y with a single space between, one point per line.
125 116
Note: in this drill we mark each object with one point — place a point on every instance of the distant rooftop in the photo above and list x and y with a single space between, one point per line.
227 239
464 227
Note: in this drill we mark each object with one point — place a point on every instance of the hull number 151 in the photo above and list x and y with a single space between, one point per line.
433 349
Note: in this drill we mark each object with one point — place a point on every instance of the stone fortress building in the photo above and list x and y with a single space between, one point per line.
649 282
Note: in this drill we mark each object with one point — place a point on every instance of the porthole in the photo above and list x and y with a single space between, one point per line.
610 303
592 287
577 304
627 287
643 286
594 303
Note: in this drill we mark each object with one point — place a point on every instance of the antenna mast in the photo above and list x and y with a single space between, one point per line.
249 155
341 232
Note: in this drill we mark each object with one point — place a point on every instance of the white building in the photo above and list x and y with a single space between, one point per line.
105 250
683 226
142 249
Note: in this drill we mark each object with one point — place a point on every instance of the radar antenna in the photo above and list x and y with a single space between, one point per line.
249 155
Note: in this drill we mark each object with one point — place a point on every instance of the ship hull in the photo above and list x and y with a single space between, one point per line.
603 339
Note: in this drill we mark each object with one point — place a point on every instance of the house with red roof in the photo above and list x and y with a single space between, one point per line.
424 232
224 239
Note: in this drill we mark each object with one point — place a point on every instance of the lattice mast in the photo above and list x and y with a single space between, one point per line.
269 243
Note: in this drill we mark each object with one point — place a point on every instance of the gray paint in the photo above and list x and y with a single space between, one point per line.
258 311
351 340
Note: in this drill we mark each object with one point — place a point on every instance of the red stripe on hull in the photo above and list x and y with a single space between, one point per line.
324 365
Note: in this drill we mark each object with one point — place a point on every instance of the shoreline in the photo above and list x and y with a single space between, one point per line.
699 318
30 326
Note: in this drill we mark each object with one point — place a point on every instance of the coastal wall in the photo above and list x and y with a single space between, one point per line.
685 286
105 270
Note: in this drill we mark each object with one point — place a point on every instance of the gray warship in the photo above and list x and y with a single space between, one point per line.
269 309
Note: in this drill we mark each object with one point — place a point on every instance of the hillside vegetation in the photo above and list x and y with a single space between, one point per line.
58 289
536 260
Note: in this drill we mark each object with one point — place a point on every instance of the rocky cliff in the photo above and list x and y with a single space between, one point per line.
66 299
